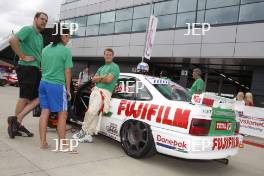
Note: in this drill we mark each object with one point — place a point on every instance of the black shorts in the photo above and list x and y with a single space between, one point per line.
28 80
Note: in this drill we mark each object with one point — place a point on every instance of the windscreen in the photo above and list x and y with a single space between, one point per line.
170 90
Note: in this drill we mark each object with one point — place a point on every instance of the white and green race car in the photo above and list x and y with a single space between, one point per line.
150 114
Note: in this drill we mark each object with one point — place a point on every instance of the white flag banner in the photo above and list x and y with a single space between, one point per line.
153 22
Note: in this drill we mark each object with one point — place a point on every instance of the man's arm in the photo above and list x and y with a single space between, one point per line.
104 79
67 71
96 79
107 79
14 43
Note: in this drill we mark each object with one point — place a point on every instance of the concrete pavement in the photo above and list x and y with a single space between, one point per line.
105 157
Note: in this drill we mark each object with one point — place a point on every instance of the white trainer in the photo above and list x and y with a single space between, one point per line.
79 134
86 139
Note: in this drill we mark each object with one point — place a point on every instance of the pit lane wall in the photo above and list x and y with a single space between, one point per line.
251 120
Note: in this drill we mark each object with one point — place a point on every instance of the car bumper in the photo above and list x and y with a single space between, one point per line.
195 147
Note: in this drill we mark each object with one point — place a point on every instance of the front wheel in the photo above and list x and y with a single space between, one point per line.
137 140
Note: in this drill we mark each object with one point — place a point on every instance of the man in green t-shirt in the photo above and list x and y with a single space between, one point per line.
105 80
198 85
27 44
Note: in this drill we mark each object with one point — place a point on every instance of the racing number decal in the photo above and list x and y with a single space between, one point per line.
149 112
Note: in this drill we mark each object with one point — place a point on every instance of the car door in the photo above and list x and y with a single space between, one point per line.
111 122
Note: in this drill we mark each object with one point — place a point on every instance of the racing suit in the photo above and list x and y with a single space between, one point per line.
98 104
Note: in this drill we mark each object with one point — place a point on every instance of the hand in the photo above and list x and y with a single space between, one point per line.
69 95
29 58
96 79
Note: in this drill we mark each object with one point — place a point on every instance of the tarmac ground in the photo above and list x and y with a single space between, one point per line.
23 157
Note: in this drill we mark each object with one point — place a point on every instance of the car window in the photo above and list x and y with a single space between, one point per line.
143 93
124 88
130 88
169 89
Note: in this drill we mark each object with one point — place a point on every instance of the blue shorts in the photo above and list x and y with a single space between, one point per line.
52 96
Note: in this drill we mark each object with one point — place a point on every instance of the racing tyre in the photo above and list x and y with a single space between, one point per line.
137 140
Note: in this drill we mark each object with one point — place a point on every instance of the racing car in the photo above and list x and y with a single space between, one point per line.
12 79
150 114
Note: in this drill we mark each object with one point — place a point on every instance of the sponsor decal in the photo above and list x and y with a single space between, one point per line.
222 143
197 98
112 129
252 121
109 135
180 146
208 102
207 111
223 126
158 81
223 113
153 112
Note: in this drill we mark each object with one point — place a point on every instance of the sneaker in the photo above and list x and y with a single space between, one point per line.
79 135
23 129
86 139
10 133
12 128
17 133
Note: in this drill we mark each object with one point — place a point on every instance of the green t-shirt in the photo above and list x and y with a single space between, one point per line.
31 44
198 85
106 69
55 59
